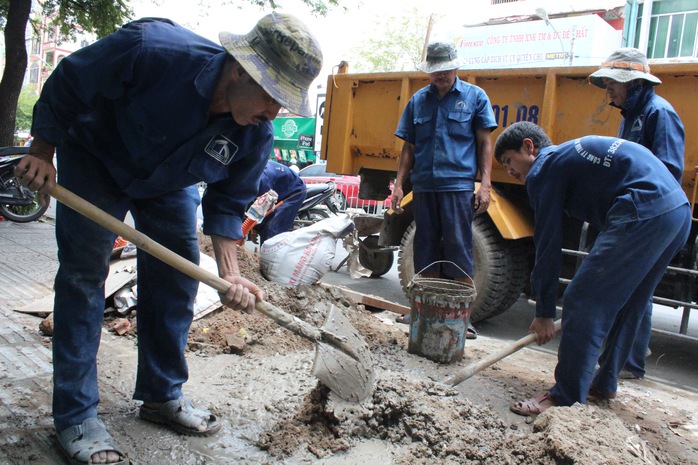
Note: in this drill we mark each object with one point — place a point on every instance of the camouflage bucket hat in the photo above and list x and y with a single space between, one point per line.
441 56
624 65
283 57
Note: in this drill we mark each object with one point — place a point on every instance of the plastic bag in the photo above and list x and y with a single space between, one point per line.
303 256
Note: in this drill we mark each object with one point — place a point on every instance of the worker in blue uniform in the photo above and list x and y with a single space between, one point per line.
136 120
446 128
291 191
651 121
623 190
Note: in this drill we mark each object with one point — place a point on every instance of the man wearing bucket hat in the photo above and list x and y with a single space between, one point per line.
136 120
446 129
651 121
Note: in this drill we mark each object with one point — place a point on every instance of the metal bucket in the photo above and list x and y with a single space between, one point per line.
440 313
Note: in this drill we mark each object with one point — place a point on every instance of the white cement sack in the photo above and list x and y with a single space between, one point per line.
206 297
303 256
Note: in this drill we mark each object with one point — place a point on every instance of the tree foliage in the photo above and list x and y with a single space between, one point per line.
397 46
101 17
317 7
27 99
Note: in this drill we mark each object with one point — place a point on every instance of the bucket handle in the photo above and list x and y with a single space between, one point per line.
411 283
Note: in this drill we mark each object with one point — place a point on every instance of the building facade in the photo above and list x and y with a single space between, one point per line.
47 48
534 33
665 30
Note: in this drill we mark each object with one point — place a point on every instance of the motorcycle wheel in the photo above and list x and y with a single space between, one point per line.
340 201
24 213
309 217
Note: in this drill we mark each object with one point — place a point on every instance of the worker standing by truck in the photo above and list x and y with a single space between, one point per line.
618 187
651 121
446 128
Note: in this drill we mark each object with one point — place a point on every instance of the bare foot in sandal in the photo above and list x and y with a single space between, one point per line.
534 405
106 457
78 443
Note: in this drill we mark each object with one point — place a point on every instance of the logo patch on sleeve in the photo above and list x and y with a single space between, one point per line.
221 149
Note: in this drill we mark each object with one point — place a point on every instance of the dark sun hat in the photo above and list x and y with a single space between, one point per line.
283 57
624 65
441 56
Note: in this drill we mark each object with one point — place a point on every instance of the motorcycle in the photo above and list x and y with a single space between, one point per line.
17 203
317 196
311 211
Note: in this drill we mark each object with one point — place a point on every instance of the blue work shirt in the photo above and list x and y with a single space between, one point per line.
138 100
650 120
282 179
600 180
443 134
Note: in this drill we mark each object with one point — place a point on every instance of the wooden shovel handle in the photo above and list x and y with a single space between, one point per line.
477 367
164 254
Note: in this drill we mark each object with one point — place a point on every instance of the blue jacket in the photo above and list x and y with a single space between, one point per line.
600 180
443 134
282 179
138 100
651 121
291 190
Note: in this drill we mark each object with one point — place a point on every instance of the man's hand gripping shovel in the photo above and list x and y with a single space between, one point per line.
342 358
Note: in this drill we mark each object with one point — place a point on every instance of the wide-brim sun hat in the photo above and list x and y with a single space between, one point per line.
624 65
441 56
282 56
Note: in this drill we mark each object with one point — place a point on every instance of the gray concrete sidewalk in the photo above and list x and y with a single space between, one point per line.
27 265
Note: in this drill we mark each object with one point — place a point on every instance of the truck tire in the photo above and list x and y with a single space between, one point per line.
494 268
378 262
519 272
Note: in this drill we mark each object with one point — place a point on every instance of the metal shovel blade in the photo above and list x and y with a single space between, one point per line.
343 360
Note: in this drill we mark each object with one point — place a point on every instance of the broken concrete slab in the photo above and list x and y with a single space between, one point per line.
121 272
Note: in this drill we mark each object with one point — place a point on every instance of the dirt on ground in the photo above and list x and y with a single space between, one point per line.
429 422
257 377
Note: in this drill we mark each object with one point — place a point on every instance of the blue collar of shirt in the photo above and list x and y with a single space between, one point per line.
208 77
635 101
458 86
541 156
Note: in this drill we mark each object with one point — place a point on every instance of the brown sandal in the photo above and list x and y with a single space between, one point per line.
533 406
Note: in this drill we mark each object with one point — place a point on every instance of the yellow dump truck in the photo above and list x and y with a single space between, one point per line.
362 112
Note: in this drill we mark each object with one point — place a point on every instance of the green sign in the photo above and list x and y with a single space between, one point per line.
294 138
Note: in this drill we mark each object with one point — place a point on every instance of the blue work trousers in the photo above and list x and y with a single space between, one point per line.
638 353
444 232
165 296
607 298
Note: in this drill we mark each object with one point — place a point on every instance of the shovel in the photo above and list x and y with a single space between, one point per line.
342 358
477 367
